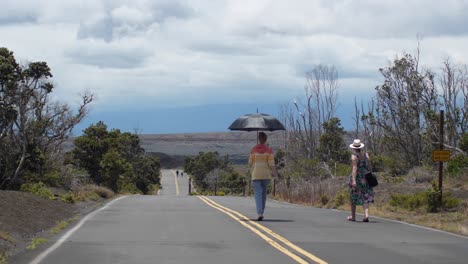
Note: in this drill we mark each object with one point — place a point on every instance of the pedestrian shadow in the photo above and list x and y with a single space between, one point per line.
269 220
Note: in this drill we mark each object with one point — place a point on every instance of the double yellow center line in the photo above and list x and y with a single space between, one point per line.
268 235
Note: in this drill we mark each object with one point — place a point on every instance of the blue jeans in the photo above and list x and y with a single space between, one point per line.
260 190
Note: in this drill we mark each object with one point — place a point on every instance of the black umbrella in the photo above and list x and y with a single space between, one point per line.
256 122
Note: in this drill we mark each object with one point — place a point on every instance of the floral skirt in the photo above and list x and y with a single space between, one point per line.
362 194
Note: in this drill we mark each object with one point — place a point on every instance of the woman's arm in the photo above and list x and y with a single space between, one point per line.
354 173
369 163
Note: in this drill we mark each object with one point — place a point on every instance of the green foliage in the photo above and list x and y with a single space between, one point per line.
464 142
428 200
38 189
409 201
392 179
35 242
343 169
116 170
68 198
381 163
232 181
129 188
52 178
153 189
332 145
31 142
404 111
280 159
199 167
209 171
324 199
116 160
341 198
148 174
306 168
90 149
62 225
457 164
3 258
92 193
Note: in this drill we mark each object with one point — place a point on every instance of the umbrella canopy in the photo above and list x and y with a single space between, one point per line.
256 122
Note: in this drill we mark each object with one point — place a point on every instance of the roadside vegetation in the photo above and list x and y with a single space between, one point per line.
33 129
213 175
400 127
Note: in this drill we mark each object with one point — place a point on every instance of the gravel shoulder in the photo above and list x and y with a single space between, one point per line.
24 216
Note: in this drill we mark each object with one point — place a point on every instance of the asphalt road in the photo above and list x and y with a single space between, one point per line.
176 228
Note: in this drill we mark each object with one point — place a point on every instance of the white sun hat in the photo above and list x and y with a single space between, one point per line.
357 144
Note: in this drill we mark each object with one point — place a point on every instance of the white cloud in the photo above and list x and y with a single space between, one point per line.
197 52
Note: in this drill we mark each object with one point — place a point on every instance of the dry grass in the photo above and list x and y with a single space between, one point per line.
35 242
7 237
333 194
3 258
454 222
62 225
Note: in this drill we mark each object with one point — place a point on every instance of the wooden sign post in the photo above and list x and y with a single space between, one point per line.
441 155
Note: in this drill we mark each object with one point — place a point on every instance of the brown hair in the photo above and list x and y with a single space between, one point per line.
262 137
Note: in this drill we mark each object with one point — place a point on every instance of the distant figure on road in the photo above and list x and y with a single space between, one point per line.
262 164
360 192
181 174
177 172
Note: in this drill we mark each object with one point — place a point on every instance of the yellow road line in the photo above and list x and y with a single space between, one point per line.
267 239
273 234
176 183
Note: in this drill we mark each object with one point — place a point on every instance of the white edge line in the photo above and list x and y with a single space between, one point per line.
59 242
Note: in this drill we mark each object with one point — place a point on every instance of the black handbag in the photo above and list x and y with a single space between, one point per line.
371 179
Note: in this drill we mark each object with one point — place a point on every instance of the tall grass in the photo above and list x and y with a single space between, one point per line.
312 192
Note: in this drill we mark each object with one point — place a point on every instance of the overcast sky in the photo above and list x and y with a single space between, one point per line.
171 66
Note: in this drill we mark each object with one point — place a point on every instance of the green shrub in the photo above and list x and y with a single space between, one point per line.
457 164
36 242
429 199
433 198
85 195
343 169
68 198
409 201
3 258
387 164
38 189
153 188
62 225
392 179
129 188
324 199
450 202
341 197
52 178
100 191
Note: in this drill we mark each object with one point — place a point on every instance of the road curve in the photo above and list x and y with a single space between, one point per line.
174 227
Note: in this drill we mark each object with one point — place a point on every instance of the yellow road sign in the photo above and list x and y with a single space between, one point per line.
440 155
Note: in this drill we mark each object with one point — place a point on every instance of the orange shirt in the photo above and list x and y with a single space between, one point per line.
261 162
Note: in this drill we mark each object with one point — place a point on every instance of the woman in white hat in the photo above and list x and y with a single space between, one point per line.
360 192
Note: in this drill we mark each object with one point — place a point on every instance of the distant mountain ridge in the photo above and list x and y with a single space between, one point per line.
236 144
225 143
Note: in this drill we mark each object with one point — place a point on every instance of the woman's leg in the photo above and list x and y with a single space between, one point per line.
264 193
366 210
258 192
353 212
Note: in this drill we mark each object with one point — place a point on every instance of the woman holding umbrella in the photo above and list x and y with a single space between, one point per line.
262 164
